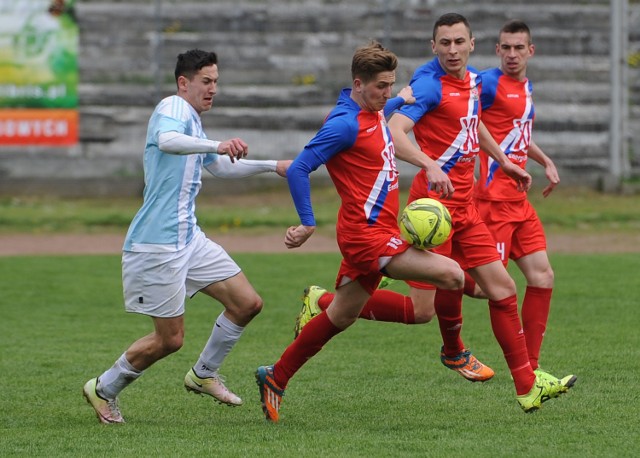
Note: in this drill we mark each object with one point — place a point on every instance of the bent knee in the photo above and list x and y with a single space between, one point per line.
172 344
452 280
256 306
424 316
252 307
545 279
540 277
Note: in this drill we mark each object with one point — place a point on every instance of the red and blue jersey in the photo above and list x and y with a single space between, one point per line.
357 148
507 112
445 117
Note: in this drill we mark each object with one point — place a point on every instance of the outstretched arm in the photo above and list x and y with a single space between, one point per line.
225 167
178 143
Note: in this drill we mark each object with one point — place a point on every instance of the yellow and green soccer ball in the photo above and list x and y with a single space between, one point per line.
425 223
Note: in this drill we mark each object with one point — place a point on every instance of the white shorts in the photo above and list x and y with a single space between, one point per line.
156 284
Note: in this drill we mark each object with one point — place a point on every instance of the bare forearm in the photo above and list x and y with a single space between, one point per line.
536 153
408 152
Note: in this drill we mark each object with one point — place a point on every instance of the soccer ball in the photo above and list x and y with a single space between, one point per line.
425 223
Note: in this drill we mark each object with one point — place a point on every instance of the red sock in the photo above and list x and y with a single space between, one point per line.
506 326
535 313
313 337
383 305
449 310
325 300
469 285
389 306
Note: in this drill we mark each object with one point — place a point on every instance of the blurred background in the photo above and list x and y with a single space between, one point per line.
79 79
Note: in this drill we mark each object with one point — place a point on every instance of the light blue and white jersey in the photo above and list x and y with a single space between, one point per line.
167 221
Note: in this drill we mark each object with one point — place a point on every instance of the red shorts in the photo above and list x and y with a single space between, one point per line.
470 242
361 253
515 226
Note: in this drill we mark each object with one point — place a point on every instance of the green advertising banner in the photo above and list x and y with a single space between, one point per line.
38 72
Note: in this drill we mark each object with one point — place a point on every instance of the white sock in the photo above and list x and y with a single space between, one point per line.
224 336
117 378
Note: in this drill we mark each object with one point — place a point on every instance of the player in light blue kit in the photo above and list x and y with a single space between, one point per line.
167 257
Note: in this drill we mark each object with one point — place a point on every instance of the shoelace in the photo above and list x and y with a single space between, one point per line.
221 379
113 407
476 365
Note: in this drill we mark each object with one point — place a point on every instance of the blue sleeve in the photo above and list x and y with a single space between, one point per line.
336 135
428 93
489 88
392 105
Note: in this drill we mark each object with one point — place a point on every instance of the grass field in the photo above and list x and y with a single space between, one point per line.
377 390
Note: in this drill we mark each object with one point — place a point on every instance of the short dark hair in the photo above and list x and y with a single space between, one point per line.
372 59
450 19
189 63
515 26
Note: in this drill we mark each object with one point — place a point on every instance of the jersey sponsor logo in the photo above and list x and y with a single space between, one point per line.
521 135
471 143
516 141
464 147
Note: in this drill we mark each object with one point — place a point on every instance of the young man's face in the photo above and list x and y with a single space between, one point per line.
374 94
514 50
452 46
200 90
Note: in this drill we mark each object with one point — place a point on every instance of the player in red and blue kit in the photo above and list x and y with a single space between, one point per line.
356 146
445 120
508 113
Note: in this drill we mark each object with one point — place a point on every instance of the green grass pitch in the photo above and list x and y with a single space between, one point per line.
376 390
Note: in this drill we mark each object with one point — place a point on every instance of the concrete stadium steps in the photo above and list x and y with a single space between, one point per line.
581 78
283 61
101 124
280 38
287 132
289 95
570 91
549 117
231 94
